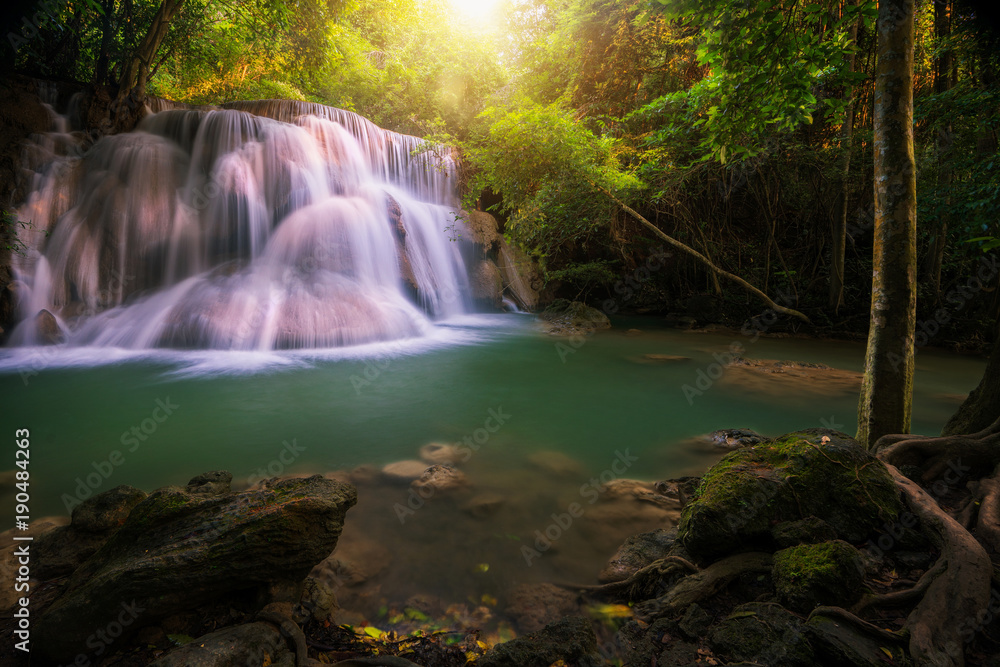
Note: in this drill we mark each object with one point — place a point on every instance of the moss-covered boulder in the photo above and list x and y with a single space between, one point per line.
572 318
764 634
180 548
809 530
571 640
811 575
817 472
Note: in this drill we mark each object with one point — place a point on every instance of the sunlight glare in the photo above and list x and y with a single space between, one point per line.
479 11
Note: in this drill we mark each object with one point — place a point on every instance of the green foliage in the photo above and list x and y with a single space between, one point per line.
10 242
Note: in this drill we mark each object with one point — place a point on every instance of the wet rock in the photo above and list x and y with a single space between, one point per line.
366 474
487 283
631 333
695 622
404 472
522 277
440 479
791 378
680 321
764 634
571 640
633 489
48 329
735 438
838 644
572 318
810 530
61 551
356 561
317 602
250 644
484 505
813 575
533 606
664 358
484 229
437 452
219 483
807 473
679 490
636 553
556 463
178 550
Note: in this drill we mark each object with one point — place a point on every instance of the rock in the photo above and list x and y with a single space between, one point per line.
355 562
764 634
572 318
533 606
487 283
484 229
178 550
735 438
439 479
791 378
48 329
484 505
813 575
219 483
404 472
556 463
679 490
250 644
695 622
838 644
809 530
680 321
366 474
631 333
317 602
636 553
664 358
522 277
61 551
571 640
437 452
816 472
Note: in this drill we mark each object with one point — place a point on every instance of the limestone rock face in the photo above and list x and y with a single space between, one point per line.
817 472
178 549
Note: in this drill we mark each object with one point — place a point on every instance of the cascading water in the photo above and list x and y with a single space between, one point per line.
262 225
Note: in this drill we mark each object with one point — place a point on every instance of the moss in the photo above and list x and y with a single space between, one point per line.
809 575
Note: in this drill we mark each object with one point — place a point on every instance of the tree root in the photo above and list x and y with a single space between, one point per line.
988 523
291 630
935 455
902 598
703 584
642 580
845 616
939 623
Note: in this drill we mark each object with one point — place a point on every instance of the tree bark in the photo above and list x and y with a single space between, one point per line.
840 224
136 69
982 406
887 389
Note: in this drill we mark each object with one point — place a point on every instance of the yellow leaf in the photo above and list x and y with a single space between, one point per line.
886 651
489 599
483 567
372 631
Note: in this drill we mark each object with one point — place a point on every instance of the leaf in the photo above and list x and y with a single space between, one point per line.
374 632
886 651
180 640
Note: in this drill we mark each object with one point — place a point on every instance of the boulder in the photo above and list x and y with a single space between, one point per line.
178 550
533 606
484 229
572 318
439 479
816 472
839 644
813 575
484 505
487 283
48 329
249 644
636 553
735 438
404 472
570 640
437 452
556 463
356 561
764 634
809 530
522 278
679 490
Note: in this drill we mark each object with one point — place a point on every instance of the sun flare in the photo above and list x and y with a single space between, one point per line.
480 11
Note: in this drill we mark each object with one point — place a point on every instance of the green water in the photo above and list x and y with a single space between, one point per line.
587 402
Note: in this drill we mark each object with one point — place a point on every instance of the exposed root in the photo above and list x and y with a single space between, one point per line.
988 523
290 630
950 606
845 616
980 450
704 584
902 598
642 580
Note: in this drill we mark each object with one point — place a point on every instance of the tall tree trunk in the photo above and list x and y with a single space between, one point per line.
136 69
887 389
982 407
944 80
840 223
107 35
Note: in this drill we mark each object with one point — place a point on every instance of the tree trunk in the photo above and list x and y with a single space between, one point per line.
107 35
136 69
944 80
840 224
887 389
982 407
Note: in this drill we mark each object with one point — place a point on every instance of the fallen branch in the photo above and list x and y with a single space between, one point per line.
704 584
704 260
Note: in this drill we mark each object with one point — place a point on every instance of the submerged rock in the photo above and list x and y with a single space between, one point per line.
556 463
533 606
813 575
570 640
404 472
636 553
178 550
440 479
791 378
437 452
484 505
816 472
735 438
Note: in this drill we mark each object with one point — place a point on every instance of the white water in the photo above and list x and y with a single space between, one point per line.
268 225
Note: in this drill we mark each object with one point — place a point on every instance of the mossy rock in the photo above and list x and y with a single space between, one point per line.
571 640
809 530
811 575
764 634
572 318
813 473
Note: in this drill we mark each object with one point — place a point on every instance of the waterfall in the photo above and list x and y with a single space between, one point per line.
257 226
